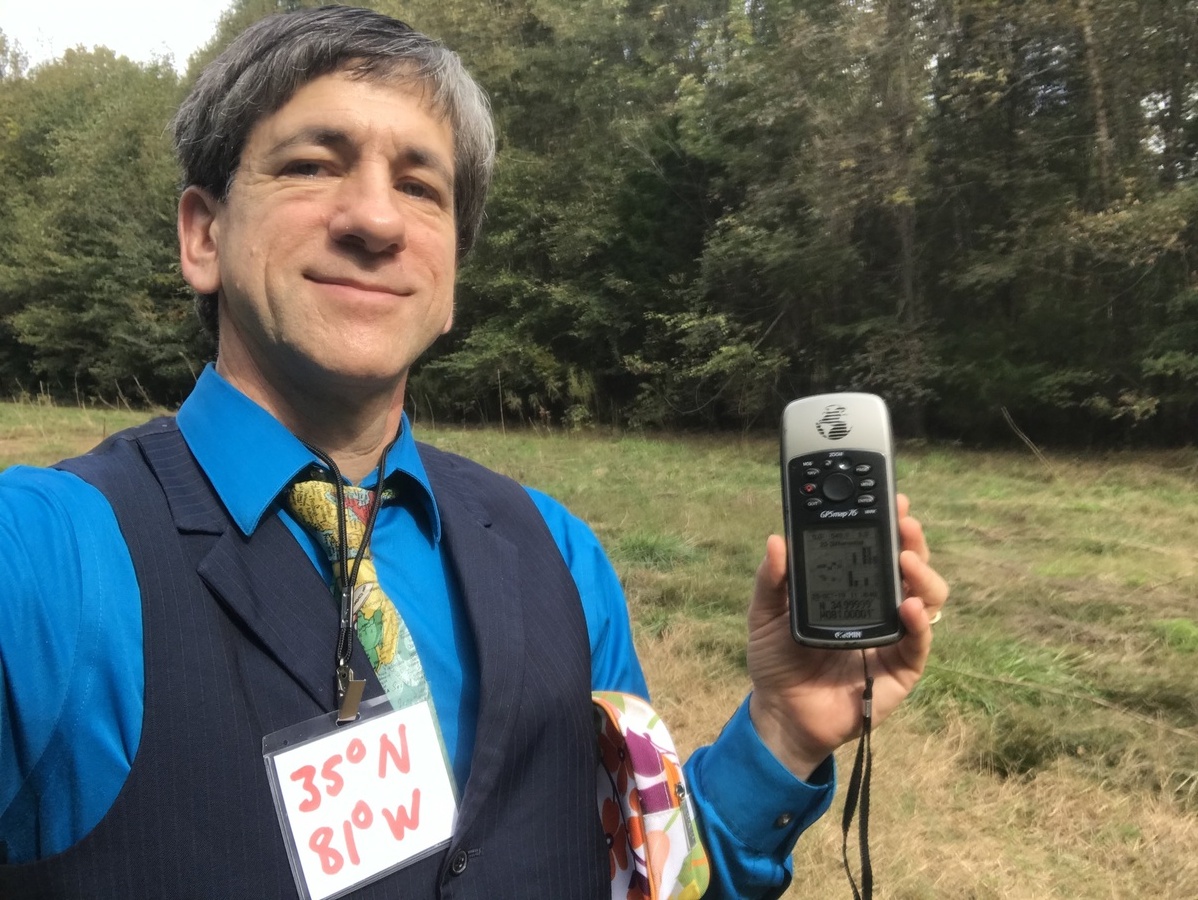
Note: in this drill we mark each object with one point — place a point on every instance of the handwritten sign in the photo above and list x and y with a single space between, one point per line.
360 801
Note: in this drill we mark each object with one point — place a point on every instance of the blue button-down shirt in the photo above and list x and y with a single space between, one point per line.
71 676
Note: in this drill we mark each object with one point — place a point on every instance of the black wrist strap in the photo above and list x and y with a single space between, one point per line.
859 790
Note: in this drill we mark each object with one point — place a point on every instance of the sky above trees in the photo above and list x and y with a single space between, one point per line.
142 30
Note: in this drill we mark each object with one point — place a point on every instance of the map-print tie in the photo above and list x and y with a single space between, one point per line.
384 636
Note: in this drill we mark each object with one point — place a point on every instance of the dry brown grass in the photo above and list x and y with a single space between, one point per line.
939 827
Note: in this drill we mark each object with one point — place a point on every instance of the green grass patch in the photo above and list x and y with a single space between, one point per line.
653 550
991 673
36 431
1178 634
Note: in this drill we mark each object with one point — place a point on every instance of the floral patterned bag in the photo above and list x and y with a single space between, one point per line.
647 814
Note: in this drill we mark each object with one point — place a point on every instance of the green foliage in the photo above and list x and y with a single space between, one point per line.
596 216
12 62
492 364
1058 232
702 366
701 210
90 297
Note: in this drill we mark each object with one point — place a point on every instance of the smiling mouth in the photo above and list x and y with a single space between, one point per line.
356 285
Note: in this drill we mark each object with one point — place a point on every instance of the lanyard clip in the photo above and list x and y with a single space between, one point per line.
349 694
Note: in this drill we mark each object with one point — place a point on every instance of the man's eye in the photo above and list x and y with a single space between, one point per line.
418 190
304 169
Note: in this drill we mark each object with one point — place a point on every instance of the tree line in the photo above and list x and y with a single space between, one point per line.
985 211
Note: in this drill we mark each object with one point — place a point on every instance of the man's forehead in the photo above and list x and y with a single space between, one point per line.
344 91
342 106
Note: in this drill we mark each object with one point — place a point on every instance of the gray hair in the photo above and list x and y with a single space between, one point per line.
272 59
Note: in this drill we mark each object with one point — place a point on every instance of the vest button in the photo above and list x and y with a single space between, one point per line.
458 865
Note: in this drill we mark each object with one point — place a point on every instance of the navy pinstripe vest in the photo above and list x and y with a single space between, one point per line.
223 669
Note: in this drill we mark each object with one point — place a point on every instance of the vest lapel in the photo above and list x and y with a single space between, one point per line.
301 639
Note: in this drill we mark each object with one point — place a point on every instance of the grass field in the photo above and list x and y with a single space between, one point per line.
1052 749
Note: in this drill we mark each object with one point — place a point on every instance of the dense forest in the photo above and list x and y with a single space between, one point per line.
985 211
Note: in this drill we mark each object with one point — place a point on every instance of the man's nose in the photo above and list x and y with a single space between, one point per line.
369 214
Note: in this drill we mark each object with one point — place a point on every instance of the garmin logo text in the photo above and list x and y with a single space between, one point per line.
847 635
838 513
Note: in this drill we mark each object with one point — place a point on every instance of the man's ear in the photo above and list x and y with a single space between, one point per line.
199 252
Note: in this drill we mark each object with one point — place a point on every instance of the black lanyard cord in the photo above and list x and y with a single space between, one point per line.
372 513
859 790
346 577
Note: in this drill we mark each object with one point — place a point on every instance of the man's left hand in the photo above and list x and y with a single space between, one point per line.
806 701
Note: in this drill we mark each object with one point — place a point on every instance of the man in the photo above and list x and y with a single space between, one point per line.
165 605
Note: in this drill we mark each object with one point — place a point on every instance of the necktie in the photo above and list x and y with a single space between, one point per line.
384 636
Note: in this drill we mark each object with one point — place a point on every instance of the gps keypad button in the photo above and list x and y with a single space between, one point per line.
839 486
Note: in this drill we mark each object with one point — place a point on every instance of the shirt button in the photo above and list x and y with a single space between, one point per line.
458 865
783 820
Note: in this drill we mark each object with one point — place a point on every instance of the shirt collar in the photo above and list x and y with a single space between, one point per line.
250 458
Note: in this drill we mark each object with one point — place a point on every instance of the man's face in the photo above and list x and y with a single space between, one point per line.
334 253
